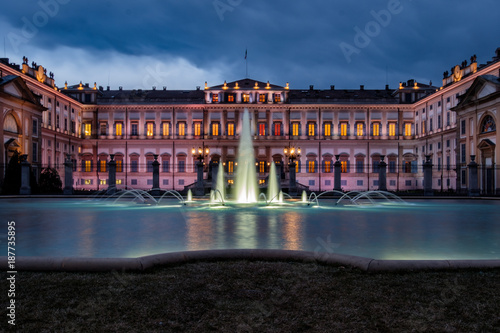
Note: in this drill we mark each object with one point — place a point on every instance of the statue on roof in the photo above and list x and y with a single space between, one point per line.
473 59
445 74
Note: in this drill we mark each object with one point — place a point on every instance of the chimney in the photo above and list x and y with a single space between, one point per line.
361 87
107 88
154 87
332 87
311 87
164 88
386 87
120 88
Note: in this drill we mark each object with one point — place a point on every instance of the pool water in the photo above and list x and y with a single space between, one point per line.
431 229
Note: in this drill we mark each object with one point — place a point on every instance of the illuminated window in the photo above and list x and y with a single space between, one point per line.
310 166
277 129
261 181
181 128
392 129
230 181
408 129
118 182
262 98
88 181
328 166
230 166
88 165
262 166
277 98
262 129
197 128
359 129
215 128
246 98
328 129
295 129
88 129
102 182
165 126
230 98
343 166
119 166
102 166
311 129
343 129
119 129
230 129
297 167
150 128
215 98
376 129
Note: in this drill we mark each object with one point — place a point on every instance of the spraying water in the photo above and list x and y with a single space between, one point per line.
246 175
220 186
272 185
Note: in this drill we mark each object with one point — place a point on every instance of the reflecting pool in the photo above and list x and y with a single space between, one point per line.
431 229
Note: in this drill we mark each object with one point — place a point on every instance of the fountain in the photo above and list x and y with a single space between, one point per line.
220 185
246 177
272 185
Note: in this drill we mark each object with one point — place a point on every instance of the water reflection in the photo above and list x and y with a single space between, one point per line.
293 230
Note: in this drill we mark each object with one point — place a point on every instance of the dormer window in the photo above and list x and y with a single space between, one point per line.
215 98
277 98
230 98
262 98
246 98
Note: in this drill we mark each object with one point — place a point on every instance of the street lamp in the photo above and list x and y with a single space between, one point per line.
200 153
292 153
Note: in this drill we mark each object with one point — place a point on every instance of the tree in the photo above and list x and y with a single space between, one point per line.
50 182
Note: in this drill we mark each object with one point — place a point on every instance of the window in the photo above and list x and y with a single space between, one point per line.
35 127
462 152
34 152
439 163
277 98
262 129
360 166
448 118
230 98
311 166
87 129
488 124
376 163
448 163
88 182
134 164
408 182
65 124
197 128
133 182
407 129
328 129
359 129
230 166
262 98
447 143
150 128
246 98
103 128
181 128
215 98
119 129
439 121
87 165
262 166
165 165
182 166
165 181
343 166
215 129
230 129
165 126
343 129
311 129
119 165
312 182
328 182
328 166
295 129
150 182
134 129
102 166
277 129
431 126
392 129
359 182
376 129
392 166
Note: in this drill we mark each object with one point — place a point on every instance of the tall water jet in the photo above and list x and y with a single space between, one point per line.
189 196
246 175
304 196
272 184
220 185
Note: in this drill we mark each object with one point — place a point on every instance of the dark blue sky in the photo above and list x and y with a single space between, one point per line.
182 44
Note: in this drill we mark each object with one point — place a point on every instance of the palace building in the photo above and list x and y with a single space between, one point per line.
452 125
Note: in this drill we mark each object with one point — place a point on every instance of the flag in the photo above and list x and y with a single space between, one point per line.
246 52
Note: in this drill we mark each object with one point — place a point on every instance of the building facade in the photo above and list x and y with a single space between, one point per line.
403 125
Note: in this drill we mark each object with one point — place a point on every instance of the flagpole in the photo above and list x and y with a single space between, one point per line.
246 63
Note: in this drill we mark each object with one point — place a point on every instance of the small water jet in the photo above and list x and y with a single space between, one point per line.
272 184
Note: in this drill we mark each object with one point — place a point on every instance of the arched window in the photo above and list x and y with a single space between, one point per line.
488 124
10 124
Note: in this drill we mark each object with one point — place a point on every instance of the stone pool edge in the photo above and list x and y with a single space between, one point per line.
72 264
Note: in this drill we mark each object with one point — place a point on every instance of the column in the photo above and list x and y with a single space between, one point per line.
337 170
428 191
112 174
473 190
68 175
156 176
382 174
25 176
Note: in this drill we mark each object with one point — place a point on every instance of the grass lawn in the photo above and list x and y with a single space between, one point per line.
256 296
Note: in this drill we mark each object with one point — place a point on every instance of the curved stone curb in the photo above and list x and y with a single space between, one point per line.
71 264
